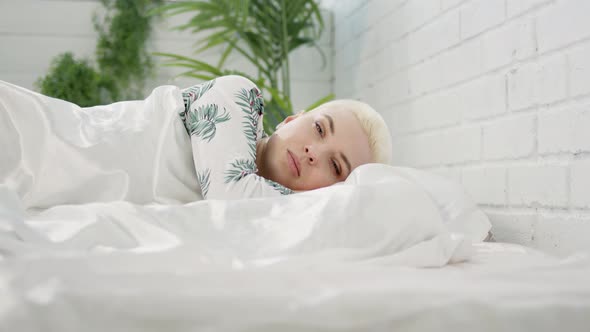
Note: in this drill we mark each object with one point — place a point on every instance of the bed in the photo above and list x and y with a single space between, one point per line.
501 288
354 257
87 244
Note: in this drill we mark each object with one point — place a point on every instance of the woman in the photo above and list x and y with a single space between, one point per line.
179 146
307 151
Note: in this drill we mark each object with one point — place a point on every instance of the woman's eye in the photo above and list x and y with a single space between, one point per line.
336 167
319 129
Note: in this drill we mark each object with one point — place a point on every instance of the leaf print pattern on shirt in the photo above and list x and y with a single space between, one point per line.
223 119
192 94
202 121
238 169
204 178
252 105
280 188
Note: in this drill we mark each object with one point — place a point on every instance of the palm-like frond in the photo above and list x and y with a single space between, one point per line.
250 101
192 94
204 178
238 169
280 188
203 121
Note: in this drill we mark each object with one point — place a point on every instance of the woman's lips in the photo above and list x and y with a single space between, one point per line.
293 164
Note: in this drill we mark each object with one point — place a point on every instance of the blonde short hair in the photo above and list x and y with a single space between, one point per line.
373 125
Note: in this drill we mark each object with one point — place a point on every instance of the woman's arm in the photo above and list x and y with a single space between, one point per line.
224 119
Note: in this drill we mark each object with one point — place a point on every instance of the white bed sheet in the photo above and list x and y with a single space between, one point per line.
503 288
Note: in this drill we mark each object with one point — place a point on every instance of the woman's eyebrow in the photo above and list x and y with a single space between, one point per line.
331 121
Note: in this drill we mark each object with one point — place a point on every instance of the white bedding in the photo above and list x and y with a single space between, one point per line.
503 288
375 214
390 248
54 152
345 258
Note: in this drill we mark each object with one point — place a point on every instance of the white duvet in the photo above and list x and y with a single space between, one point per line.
374 216
54 152
121 177
390 248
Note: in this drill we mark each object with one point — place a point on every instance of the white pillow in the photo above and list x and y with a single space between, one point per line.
456 208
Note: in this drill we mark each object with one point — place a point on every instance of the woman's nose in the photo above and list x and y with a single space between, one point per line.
311 156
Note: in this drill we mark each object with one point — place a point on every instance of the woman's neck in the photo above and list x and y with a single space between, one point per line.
260 154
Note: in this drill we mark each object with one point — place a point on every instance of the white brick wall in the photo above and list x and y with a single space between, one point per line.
534 185
564 130
479 15
509 137
536 83
32 32
562 24
493 93
492 178
579 70
580 182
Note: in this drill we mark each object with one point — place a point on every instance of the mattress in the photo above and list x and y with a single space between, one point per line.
502 287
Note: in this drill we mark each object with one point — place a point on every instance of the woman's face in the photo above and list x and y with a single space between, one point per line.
314 149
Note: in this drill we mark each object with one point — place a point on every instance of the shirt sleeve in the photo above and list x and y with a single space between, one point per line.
224 120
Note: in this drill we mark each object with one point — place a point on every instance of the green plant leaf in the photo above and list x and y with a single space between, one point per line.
73 80
263 32
123 64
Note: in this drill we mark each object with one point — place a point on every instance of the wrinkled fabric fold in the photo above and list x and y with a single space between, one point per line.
364 218
58 153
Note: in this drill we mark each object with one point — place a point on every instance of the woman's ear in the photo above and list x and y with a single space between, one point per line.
289 119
